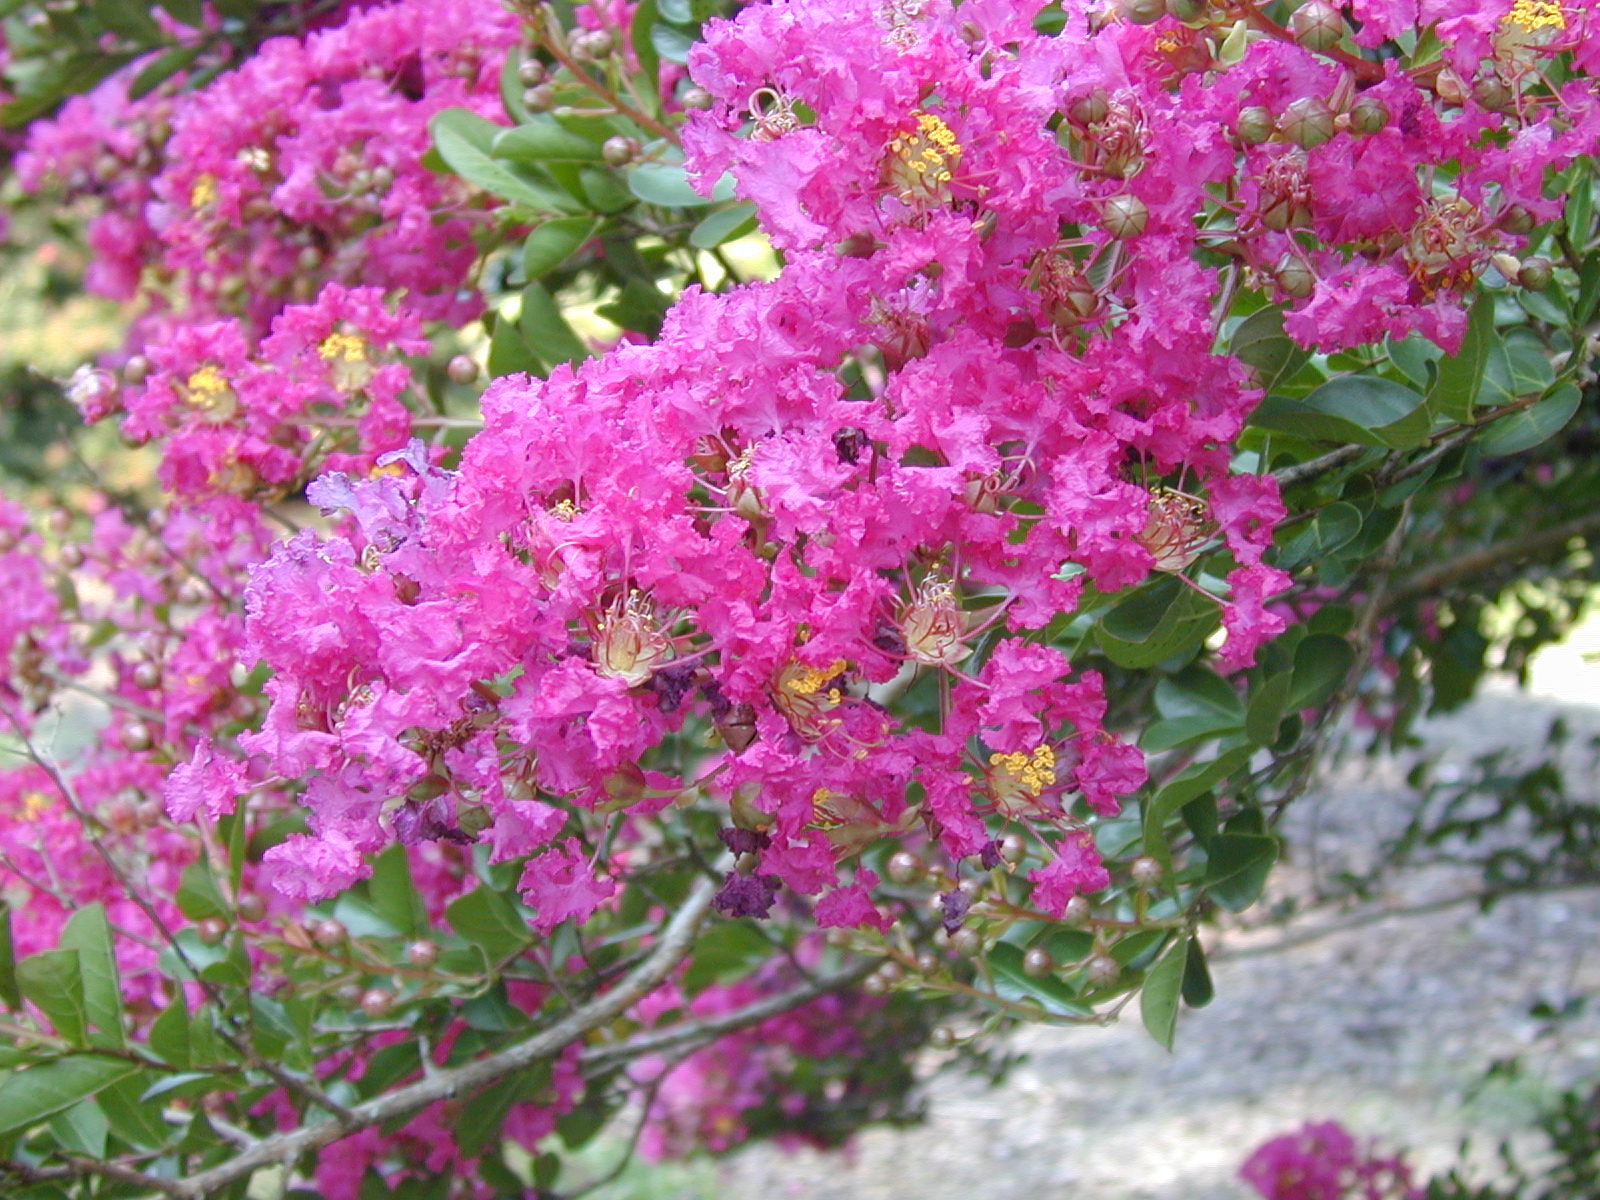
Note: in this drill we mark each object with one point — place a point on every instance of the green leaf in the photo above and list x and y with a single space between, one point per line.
1519 431
644 20
198 894
1415 355
1269 704
1588 297
1365 409
724 225
1158 621
1012 983
671 44
82 1128
1322 663
664 184
1317 540
1238 866
1518 365
1192 781
162 68
478 1126
485 919
1455 389
1195 704
394 894
1163 984
604 190
10 994
30 1096
1197 988
89 933
132 1120
508 353
542 139
169 1032
53 980
545 330
727 951
465 141
1260 342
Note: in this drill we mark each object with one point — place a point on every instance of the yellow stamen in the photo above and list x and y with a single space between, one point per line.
34 805
563 510
1022 773
203 192
1534 15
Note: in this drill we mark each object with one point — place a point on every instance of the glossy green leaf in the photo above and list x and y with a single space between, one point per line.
53 980
169 1033
1238 866
727 951
198 895
1158 621
1197 988
394 894
1322 663
1269 704
1460 376
1261 342
30 1096
554 242
135 1122
465 142
724 225
545 330
1192 781
1012 983
508 353
1415 356
604 190
1163 987
664 184
81 1129
541 139
1316 541
1367 410
10 994
1519 431
162 68
671 44
485 919
89 933
642 25
1588 297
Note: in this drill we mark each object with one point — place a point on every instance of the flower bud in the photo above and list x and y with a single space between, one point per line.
137 369
1142 12
328 933
1317 25
966 942
539 99
1254 125
1307 122
1013 848
377 1002
1037 962
1076 911
619 151
697 98
1516 219
1535 274
927 962
1491 93
1295 278
593 44
531 72
1124 216
1450 87
462 369
1368 115
1087 110
147 675
1506 264
1145 870
250 907
1103 969
903 867
211 931
875 985
1188 10
942 1038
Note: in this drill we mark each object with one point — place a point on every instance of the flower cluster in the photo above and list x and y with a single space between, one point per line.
1322 1161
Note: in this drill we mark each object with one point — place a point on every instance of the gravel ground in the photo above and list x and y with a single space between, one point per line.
1384 1026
